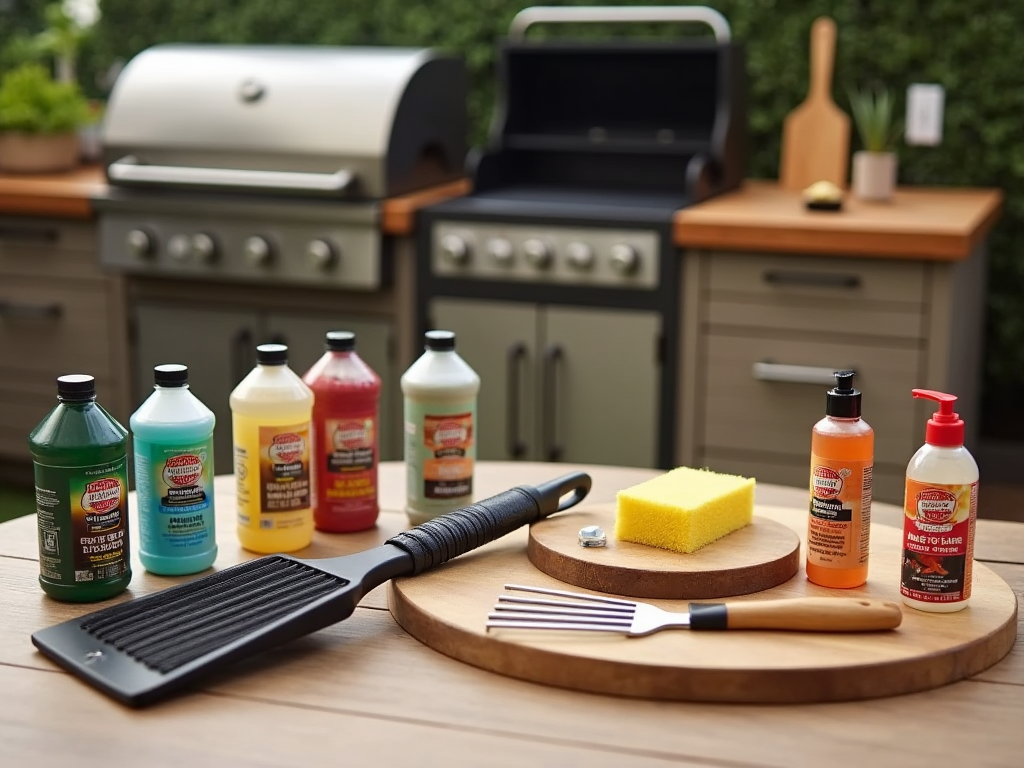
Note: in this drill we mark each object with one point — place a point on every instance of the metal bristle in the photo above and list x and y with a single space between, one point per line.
583 612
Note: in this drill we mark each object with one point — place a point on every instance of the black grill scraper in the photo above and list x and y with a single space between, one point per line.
142 650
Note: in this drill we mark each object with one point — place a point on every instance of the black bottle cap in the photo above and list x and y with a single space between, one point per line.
340 341
76 387
170 375
439 341
272 354
843 401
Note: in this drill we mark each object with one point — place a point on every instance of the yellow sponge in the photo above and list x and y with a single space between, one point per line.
684 509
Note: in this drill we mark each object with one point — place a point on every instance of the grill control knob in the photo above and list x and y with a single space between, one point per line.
257 251
454 249
538 253
501 251
179 247
625 259
204 249
321 254
139 243
580 255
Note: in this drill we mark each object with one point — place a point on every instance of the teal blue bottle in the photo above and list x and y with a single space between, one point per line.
173 436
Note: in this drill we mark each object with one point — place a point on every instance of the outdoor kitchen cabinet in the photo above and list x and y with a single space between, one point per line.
560 383
59 314
776 300
219 347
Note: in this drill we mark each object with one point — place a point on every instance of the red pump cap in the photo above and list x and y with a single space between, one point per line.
945 428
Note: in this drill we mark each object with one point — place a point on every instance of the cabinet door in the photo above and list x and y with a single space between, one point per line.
217 346
304 335
599 379
499 340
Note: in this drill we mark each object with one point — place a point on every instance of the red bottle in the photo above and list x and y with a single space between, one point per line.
345 419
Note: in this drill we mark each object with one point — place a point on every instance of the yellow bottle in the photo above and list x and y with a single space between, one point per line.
271 410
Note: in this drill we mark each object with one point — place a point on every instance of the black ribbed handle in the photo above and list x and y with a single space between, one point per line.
443 538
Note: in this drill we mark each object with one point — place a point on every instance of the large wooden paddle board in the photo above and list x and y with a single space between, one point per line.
446 609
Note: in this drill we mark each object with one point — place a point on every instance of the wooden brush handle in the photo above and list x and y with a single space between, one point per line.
819 614
823 54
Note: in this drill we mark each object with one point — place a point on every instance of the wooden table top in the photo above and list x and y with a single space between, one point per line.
363 692
929 223
68 196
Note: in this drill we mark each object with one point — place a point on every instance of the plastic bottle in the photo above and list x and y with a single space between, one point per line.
842 461
271 410
173 436
345 435
440 391
80 459
941 507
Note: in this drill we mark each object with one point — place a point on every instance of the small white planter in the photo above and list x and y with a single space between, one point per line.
874 175
38 153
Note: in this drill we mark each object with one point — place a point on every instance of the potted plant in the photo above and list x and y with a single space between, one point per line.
874 167
39 121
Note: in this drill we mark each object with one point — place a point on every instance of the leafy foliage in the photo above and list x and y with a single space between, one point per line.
32 102
971 47
873 115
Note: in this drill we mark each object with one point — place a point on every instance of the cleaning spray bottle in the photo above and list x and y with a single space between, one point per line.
940 510
842 461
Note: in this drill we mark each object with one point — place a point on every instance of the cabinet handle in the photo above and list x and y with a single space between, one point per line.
553 357
31 311
516 356
796 374
241 354
811 279
30 233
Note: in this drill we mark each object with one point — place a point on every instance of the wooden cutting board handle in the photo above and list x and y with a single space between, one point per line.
823 57
816 135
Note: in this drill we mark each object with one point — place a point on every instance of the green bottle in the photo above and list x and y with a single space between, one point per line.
80 458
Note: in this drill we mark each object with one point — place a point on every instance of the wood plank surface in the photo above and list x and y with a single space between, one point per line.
64 195
759 556
927 223
357 691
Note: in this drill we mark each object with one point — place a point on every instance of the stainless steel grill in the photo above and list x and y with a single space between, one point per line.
254 163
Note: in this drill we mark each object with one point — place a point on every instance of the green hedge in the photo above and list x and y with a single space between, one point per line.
966 45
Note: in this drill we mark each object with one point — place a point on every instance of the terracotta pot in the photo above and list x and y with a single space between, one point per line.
874 175
38 153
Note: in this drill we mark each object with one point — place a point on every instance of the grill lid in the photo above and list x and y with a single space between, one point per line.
318 121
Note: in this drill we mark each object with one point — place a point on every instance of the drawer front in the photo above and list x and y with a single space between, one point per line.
770 276
887 482
54 328
766 394
50 249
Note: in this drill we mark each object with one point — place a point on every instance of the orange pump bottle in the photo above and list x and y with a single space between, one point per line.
842 460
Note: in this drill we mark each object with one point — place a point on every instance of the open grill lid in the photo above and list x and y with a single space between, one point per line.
617 114
317 121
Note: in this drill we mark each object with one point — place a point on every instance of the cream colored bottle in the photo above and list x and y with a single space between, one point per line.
271 409
440 391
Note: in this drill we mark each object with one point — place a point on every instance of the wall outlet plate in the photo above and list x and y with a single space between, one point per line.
925 104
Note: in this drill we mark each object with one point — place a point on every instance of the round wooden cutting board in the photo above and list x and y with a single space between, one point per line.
762 555
446 609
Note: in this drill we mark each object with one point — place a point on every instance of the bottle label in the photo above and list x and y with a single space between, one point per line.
938 541
284 468
174 486
82 514
839 525
349 458
440 450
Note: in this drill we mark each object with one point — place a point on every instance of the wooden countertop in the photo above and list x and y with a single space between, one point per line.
940 224
67 195
365 690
